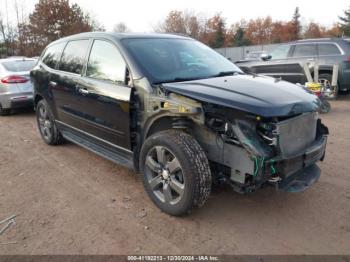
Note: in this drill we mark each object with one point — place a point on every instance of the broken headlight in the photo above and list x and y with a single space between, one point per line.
267 130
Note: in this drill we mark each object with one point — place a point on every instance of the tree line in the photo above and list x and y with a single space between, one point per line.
215 32
53 19
50 20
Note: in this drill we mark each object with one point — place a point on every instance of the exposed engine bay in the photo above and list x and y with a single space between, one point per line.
246 150
252 150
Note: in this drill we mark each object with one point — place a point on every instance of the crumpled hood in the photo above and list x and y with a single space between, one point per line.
264 96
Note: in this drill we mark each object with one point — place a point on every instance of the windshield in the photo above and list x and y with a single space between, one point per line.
171 60
19 65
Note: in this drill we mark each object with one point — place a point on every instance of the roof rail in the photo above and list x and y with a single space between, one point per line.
314 39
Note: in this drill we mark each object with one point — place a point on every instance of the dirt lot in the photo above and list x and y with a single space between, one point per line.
71 201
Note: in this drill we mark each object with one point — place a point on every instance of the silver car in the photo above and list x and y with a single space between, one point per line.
16 89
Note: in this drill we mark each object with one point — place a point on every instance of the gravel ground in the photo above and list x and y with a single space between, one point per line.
70 201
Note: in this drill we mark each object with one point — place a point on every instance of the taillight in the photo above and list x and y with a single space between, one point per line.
14 80
348 59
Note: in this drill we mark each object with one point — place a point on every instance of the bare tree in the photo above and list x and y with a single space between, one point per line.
182 22
8 33
121 28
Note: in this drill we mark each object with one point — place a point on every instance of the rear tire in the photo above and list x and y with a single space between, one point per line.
176 172
47 125
326 80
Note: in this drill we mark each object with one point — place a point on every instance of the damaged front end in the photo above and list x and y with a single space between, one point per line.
251 151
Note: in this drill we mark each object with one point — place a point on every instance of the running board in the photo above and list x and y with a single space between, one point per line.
114 155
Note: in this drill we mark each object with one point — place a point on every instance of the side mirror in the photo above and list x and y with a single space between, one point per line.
265 57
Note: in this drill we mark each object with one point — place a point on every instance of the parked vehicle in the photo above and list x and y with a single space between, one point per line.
182 115
16 89
287 60
252 56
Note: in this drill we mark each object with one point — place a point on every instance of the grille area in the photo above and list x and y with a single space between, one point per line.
296 134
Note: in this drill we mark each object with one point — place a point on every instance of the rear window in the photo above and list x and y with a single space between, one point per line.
328 49
19 65
53 54
73 56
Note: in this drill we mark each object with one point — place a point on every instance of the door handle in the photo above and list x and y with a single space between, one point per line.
310 59
83 90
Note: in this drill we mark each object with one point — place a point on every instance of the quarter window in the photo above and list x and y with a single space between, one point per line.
106 63
73 56
305 50
328 49
52 55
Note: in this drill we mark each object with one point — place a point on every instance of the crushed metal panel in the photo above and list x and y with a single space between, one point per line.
240 162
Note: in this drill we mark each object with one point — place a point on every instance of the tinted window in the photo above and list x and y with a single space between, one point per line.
173 60
105 62
19 65
305 50
53 54
328 49
73 56
280 52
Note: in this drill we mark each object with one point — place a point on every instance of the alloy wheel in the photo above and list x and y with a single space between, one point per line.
45 123
165 175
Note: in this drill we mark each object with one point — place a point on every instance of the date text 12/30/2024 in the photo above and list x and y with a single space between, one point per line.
173 258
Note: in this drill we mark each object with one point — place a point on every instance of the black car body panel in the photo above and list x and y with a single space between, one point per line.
262 96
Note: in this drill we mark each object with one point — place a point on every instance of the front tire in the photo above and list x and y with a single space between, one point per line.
46 124
176 172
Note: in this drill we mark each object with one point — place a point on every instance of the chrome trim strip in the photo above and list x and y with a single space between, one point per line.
93 124
94 137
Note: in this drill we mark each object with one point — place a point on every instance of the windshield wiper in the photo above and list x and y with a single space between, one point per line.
177 79
225 73
183 79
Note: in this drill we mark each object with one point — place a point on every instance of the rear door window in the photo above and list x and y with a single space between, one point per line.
52 55
73 56
305 50
19 65
328 49
106 63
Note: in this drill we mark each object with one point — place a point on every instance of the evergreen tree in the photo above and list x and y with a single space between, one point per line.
345 22
296 27
220 34
239 38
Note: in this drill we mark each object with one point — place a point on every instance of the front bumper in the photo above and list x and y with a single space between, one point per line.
297 174
301 180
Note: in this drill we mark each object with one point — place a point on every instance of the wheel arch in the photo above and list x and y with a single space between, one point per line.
166 122
37 98
157 124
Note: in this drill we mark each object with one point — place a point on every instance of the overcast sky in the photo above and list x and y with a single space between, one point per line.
143 15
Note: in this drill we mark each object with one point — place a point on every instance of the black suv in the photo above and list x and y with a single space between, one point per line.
287 60
182 115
